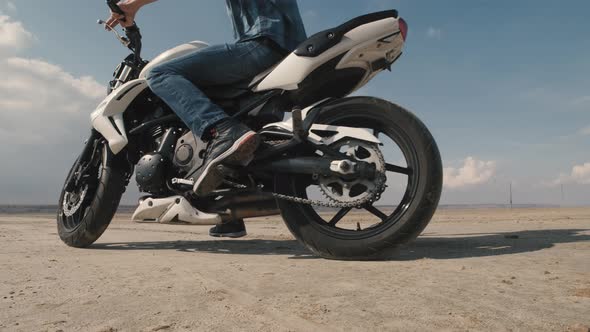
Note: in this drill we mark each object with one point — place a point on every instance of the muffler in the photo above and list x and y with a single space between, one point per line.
247 206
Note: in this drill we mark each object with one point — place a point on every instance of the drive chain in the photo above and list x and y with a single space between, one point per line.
333 204
375 195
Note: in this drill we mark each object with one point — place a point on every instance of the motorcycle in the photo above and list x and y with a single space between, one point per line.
315 169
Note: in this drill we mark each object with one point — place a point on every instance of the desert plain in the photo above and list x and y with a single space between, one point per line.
472 269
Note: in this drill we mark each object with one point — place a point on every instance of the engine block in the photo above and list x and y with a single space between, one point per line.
189 153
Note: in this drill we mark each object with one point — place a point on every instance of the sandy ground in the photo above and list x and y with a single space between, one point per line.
492 270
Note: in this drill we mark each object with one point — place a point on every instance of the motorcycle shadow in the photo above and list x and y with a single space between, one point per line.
454 246
449 246
229 247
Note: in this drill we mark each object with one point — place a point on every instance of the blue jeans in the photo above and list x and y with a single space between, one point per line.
177 81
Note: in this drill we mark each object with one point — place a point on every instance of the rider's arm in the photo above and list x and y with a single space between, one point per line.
144 2
130 8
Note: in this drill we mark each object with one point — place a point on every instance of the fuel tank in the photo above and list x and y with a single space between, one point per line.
174 53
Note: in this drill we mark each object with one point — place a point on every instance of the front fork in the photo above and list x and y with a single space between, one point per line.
84 160
90 145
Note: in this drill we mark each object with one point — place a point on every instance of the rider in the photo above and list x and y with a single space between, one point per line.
266 30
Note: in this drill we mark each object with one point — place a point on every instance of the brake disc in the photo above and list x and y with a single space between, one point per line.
73 201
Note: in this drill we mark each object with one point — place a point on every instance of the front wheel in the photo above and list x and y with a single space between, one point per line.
411 163
90 197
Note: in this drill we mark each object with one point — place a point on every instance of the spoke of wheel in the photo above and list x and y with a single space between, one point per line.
377 212
339 216
398 169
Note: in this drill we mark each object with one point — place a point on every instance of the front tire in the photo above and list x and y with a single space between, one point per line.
412 214
80 223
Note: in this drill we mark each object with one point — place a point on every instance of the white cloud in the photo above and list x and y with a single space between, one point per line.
13 35
44 117
471 173
579 174
434 33
85 85
585 131
580 101
39 102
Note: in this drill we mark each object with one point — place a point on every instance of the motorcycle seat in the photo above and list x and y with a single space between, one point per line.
324 40
312 47
236 90
226 92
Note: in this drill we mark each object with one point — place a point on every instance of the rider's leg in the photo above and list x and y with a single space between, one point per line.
176 83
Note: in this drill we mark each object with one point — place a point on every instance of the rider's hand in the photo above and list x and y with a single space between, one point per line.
130 8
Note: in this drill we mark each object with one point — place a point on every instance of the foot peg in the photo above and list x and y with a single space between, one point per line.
223 170
183 184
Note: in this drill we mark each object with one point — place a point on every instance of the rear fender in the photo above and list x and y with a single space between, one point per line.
107 119
339 132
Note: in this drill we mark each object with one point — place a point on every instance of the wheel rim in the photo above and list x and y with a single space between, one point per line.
76 203
411 172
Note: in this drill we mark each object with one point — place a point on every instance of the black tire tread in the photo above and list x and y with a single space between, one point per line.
111 187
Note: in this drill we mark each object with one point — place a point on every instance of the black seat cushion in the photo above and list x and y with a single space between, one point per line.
227 92
238 89
322 41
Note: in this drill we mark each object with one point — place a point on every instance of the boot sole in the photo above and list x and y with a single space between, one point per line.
241 154
229 235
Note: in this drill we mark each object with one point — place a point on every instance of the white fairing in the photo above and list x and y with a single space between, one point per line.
111 110
107 119
363 46
174 53
171 210
340 132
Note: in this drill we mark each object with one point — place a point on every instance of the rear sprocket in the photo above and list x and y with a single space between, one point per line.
341 190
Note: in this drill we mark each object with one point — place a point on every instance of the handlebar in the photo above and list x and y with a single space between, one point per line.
133 39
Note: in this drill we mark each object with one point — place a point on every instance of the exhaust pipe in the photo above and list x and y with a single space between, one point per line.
250 206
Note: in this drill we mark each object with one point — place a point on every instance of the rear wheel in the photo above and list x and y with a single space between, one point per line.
413 169
90 197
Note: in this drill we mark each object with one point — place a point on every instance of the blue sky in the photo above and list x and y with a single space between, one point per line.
503 85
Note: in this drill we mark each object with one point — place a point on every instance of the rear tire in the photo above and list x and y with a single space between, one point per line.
99 207
330 243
